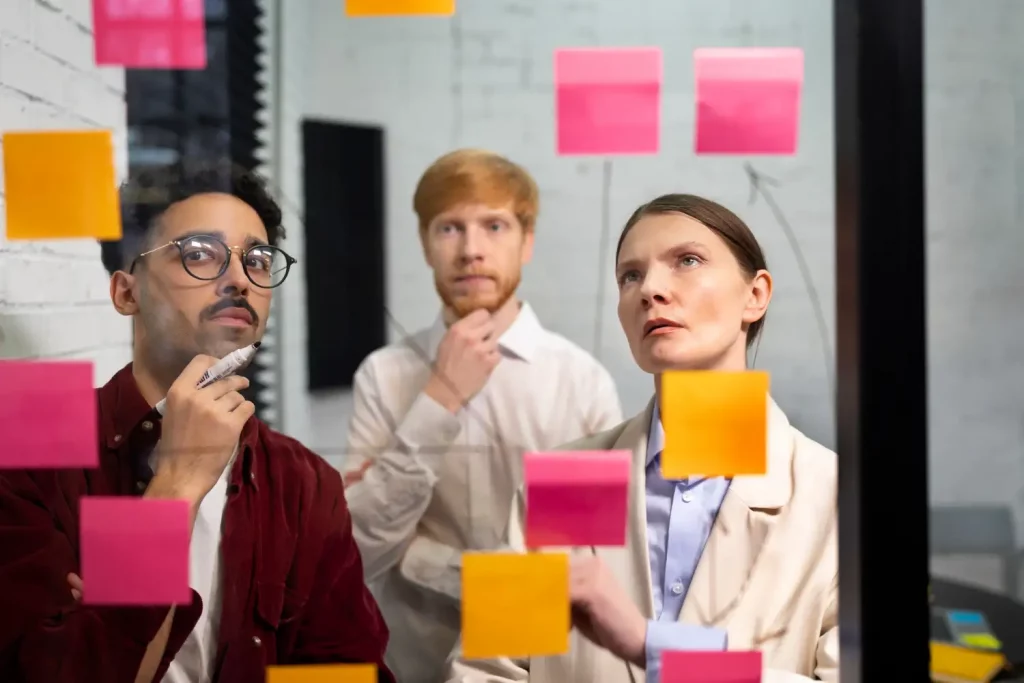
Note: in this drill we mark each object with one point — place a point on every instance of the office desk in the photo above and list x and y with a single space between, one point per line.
1004 615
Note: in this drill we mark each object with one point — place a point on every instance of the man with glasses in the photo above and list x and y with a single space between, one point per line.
275 572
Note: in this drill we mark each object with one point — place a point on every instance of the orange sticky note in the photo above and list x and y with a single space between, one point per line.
323 673
950 662
395 8
716 423
60 185
515 605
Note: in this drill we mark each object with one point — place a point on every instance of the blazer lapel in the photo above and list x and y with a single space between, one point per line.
732 557
630 564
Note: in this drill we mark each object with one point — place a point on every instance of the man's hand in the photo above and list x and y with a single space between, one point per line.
604 613
467 355
200 433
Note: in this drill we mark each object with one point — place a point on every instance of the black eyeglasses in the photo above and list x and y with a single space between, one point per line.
206 257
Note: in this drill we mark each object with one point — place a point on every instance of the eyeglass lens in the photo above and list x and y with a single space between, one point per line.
205 259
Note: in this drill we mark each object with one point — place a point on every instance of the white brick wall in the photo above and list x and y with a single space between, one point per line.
54 299
484 78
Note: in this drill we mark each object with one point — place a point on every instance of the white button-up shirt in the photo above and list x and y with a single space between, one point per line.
443 483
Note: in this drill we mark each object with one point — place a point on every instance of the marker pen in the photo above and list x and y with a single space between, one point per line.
228 365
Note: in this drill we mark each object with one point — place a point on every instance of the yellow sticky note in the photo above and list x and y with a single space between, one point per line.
60 185
394 8
984 641
323 673
716 423
961 663
515 605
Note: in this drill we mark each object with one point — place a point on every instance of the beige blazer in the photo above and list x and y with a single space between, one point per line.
768 574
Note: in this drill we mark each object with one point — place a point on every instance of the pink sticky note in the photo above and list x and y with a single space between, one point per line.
711 667
47 415
150 34
134 551
748 100
608 100
576 498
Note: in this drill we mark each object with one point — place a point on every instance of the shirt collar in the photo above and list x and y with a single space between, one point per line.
522 338
124 410
655 435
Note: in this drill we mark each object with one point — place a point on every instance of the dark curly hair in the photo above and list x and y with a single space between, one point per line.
148 193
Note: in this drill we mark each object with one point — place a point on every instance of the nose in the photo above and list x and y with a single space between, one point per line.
233 281
655 287
472 245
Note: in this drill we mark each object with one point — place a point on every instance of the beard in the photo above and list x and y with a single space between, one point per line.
464 304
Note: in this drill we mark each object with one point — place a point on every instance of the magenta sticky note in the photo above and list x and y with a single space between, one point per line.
711 667
134 551
576 498
748 100
608 100
47 415
150 34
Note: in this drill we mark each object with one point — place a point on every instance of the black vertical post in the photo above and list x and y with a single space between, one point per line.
881 343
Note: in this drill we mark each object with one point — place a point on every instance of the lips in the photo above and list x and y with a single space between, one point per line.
656 324
234 314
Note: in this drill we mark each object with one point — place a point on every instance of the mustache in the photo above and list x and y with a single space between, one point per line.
238 302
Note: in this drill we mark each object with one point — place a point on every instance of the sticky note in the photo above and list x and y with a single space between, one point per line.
323 673
576 498
711 667
150 34
982 641
715 423
47 415
515 605
963 663
60 184
392 8
608 100
748 100
965 618
134 551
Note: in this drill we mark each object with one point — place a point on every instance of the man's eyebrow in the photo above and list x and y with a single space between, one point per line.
201 233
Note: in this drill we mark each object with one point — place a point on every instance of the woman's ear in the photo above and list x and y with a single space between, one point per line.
123 294
758 297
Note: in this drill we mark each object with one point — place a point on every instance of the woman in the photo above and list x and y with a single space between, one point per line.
748 563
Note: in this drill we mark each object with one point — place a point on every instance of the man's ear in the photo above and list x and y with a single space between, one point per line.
526 252
123 294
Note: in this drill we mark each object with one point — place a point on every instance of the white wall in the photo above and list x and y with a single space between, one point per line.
484 78
53 295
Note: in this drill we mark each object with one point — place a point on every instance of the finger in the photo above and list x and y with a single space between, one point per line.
75 581
223 387
192 373
243 412
230 401
475 319
76 594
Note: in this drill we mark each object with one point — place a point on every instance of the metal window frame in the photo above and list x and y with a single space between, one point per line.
881 340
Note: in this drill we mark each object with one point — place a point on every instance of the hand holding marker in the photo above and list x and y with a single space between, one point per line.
228 365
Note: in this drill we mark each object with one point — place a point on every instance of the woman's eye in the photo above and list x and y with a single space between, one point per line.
689 260
628 276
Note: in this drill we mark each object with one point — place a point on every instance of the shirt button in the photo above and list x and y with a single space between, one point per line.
687 497
147 425
677 588
140 486
256 641
117 437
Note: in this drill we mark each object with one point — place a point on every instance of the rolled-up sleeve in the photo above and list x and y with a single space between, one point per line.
663 636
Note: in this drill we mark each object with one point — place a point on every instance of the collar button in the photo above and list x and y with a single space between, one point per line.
147 425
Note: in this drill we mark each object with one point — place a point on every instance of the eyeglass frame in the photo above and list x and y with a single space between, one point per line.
289 260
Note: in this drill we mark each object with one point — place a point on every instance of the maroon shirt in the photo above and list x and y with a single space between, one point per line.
293 589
